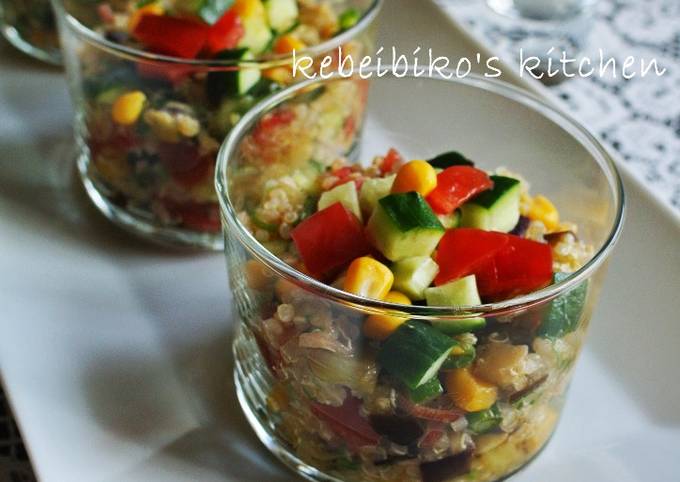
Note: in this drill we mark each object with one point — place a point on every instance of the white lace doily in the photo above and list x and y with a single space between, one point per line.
638 118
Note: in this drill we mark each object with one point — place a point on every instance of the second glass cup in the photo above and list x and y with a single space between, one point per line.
148 126
29 25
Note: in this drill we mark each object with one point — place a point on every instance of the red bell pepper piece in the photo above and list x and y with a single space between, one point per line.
462 251
225 34
173 73
197 216
456 185
329 239
522 266
346 422
391 162
173 36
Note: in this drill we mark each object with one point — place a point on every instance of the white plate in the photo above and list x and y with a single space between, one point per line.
115 353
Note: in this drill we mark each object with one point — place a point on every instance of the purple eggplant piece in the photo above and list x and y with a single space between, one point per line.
521 227
399 429
555 238
446 468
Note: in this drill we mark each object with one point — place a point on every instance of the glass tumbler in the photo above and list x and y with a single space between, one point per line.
154 175
309 381
548 29
29 25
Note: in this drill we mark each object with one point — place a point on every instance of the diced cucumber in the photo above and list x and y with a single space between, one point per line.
349 18
413 275
484 421
282 14
404 225
344 193
427 391
414 353
462 292
257 35
462 355
449 159
210 11
372 190
232 83
564 313
496 209
450 221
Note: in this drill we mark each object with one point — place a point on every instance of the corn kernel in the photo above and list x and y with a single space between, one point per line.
280 75
418 176
249 8
154 8
368 278
128 107
288 43
379 327
542 209
469 393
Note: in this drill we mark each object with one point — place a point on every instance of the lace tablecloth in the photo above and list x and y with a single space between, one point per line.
638 118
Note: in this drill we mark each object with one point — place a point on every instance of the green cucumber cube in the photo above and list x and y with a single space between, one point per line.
414 353
494 210
413 275
373 190
484 421
403 225
344 193
565 312
450 221
427 391
462 292
282 14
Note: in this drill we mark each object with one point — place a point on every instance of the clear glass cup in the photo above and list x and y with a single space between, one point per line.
29 25
548 30
154 177
308 379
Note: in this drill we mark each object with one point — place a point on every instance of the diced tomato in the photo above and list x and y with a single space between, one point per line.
456 185
391 162
270 123
174 36
462 251
330 239
203 217
522 266
173 73
225 33
347 422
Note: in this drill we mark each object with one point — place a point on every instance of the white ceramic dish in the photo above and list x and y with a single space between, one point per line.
115 354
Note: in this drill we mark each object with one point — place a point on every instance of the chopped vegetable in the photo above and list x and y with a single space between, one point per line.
403 224
379 327
413 275
282 14
402 430
520 267
372 190
427 391
496 209
564 313
456 185
414 353
484 421
168 35
349 18
330 239
468 392
344 193
450 159
462 292
462 251
347 422
368 278
225 34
